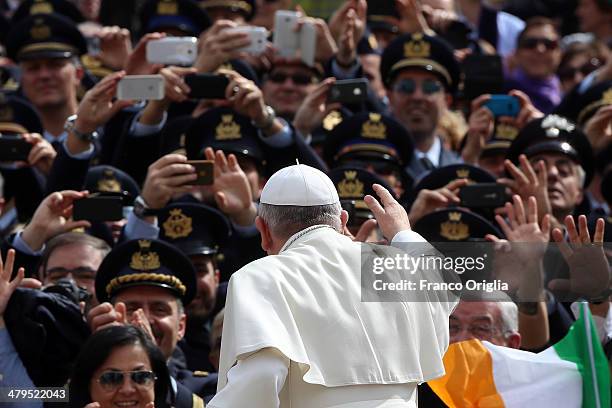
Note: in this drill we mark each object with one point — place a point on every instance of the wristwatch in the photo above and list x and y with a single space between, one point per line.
141 209
268 121
84 136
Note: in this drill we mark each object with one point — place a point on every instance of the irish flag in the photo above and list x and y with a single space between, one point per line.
572 373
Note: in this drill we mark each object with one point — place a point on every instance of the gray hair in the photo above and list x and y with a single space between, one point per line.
286 220
509 317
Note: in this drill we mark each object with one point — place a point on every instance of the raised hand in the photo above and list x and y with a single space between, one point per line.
390 215
314 108
106 315
588 266
52 217
168 176
115 46
430 200
218 45
42 154
231 188
526 182
137 63
481 124
8 286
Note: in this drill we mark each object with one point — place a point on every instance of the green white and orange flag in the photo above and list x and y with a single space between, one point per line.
572 373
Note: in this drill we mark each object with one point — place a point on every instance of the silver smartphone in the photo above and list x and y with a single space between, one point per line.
173 51
141 87
294 44
258 36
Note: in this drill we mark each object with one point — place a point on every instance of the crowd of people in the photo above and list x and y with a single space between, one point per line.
482 124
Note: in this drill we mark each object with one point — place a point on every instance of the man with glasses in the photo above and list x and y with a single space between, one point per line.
421 74
287 85
537 58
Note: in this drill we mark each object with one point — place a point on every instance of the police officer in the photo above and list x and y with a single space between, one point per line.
421 76
201 233
148 283
375 142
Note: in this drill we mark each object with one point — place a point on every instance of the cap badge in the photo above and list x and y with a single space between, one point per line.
350 186
454 229
6 113
606 99
506 132
227 129
332 119
178 225
40 31
109 183
463 173
167 8
41 7
145 259
372 41
555 123
417 47
374 128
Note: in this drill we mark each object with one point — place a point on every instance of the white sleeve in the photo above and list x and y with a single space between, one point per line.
407 236
254 382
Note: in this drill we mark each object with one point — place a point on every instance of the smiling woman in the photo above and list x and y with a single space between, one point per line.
119 367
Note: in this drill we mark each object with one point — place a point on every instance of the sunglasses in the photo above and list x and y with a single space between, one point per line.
409 86
533 43
298 79
570 72
111 380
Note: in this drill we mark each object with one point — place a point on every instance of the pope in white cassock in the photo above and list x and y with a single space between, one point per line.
296 333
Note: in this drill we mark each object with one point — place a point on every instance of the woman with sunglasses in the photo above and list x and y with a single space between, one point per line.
119 366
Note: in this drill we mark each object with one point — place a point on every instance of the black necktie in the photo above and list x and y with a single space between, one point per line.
427 164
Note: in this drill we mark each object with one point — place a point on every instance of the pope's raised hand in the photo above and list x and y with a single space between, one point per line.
390 215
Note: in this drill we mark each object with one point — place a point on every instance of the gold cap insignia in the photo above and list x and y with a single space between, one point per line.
374 128
350 186
109 183
454 229
41 7
506 132
167 8
178 225
332 120
463 173
145 259
40 31
227 129
417 47
6 113
372 41
606 98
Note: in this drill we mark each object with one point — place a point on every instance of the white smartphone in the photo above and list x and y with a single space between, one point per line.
308 44
258 36
173 51
286 39
141 87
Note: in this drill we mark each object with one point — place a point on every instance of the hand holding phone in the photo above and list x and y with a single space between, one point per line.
141 87
503 105
207 86
14 147
258 37
205 172
483 195
98 207
349 91
172 51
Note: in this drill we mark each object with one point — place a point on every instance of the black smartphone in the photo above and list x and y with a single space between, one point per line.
483 74
382 8
98 208
483 195
13 148
207 86
205 172
349 91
